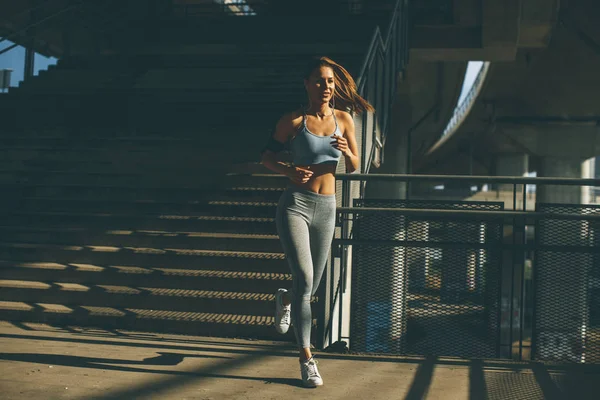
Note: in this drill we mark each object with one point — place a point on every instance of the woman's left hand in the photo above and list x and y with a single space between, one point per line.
341 144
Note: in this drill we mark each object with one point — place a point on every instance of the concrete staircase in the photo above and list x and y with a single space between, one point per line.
139 222
138 247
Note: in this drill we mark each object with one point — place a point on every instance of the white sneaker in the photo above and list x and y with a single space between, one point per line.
282 313
310 373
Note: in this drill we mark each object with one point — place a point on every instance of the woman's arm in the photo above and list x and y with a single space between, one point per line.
347 143
283 130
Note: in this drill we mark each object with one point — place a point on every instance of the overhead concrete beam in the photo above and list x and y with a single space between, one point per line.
494 38
452 37
464 54
538 18
467 12
501 22
580 141
454 43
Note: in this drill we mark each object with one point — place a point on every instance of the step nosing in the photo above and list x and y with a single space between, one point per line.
140 233
96 311
66 287
146 250
145 270
157 216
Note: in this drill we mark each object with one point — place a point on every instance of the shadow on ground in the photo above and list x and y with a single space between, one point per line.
488 379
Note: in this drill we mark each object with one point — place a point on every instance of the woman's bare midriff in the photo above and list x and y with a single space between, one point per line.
322 181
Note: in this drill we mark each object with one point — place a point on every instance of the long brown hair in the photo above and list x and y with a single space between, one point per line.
345 95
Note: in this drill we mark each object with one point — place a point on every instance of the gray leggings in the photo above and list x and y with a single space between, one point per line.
305 224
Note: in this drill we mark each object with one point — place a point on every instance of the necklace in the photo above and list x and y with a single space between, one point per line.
319 114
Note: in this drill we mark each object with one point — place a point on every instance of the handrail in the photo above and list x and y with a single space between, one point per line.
373 46
470 179
376 40
377 46
466 213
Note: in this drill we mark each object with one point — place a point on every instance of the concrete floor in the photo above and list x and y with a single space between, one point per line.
38 361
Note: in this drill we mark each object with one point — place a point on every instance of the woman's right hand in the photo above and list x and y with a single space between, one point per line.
299 175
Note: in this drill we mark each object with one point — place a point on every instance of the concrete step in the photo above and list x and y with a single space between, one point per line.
167 299
245 98
108 179
218 207
58 158
270 180
114 221
218 144
196 323
155 277
91 134
251 167
13 161
218 191
123 177
114 164
142 238
216 56
92 137
148 192
148 257
269 194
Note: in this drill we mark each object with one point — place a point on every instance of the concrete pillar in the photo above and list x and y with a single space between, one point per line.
379 285
29 66
379 322
459 265
396 155
561 278
559 167
511 165
418 259
589 172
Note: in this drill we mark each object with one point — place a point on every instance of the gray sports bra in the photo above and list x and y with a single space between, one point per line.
309 149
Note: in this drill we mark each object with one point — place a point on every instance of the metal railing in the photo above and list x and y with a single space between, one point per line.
498 283
386 57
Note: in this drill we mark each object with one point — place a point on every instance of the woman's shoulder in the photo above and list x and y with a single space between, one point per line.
344 117
292 117
289 123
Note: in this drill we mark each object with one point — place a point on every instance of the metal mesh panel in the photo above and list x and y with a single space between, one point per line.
567 286
438 293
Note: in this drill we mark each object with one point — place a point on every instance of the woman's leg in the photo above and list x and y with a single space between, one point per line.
296 215
293 217
321 233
